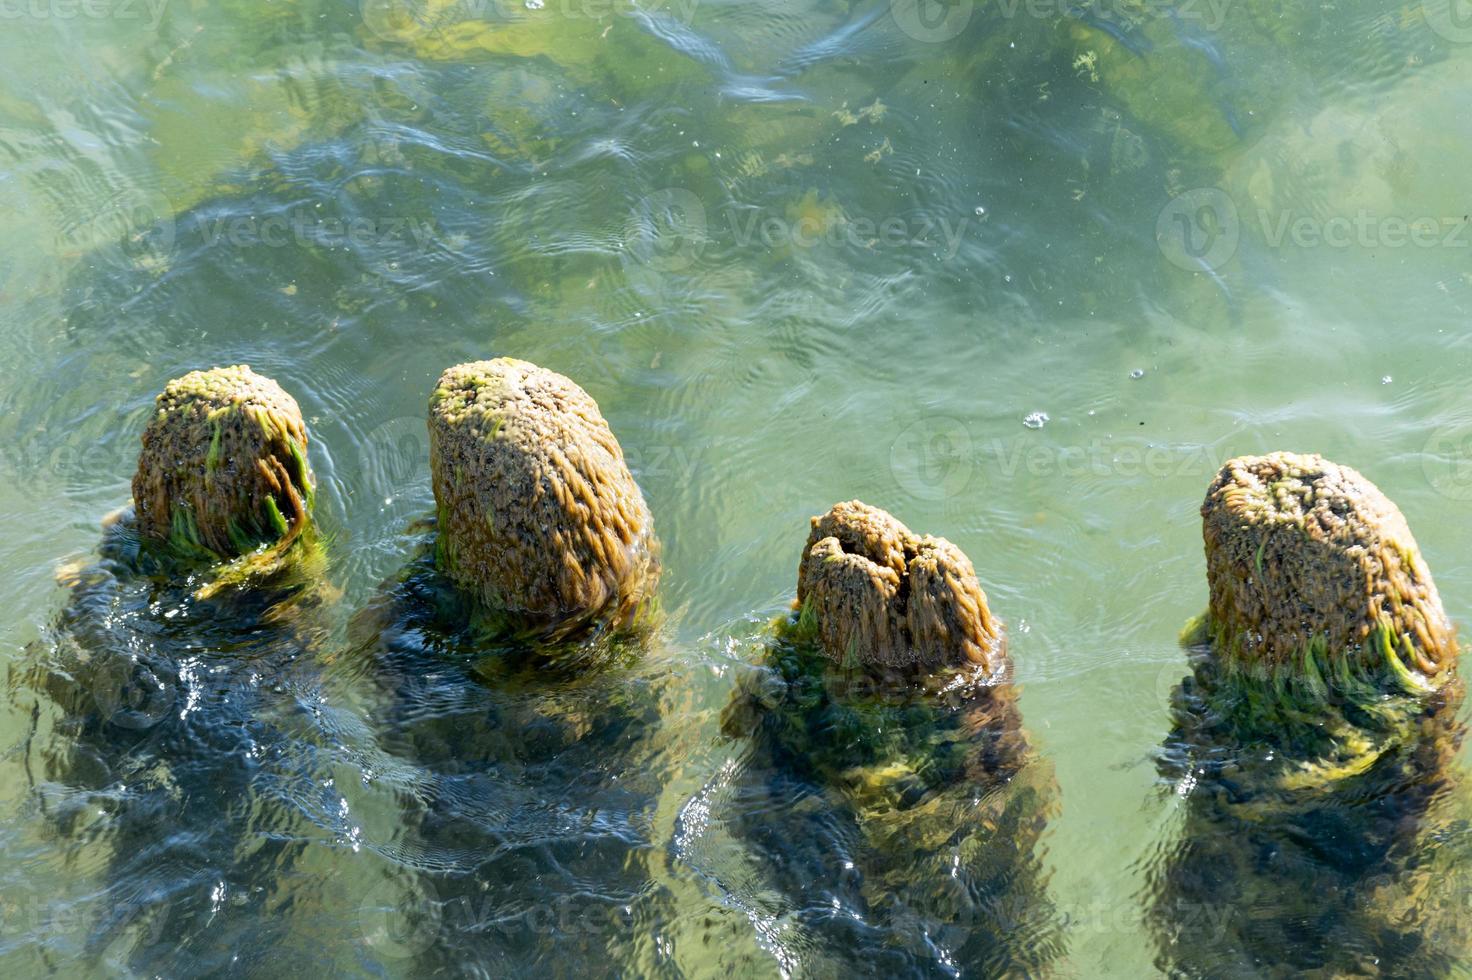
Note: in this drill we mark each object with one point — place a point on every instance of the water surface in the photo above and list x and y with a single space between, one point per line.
799 253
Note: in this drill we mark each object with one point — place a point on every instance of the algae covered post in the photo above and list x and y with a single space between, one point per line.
1313 740
1312 569
883 724
224 465
511 654
220 532
886 597
539 516
148 685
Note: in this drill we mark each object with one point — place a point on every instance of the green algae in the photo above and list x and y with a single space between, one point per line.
1312 799
930 769
501 648
1381 666
843 719
1328 715
212 460
923 757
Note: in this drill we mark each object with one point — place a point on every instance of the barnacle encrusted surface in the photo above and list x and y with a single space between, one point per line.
879 594
223 468
1311 568
538 513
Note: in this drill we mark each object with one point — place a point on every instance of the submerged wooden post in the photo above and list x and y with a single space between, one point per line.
1314 739
887 695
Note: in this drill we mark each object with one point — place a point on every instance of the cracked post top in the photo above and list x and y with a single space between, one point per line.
538 513
223 468
882 596
1312 568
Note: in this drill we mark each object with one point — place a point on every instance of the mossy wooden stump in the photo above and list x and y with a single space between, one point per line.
224 466
539 517
1313 571
886 694
1314 741
881 595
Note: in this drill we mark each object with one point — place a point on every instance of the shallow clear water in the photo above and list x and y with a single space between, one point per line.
799 253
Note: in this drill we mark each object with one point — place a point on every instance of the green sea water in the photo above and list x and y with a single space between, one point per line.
1023 274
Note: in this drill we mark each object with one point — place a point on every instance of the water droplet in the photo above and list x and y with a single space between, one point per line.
1036 420
535 4
1137 373
980 211
1386 380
